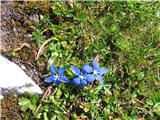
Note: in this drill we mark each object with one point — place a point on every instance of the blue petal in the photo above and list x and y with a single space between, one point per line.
50 79
57 82
100 79
83 83
64 79
61 70
75 70
76 81
83 72
95 64
87 68
90 78
53 69
103 70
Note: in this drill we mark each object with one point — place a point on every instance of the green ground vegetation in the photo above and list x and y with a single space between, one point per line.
126 35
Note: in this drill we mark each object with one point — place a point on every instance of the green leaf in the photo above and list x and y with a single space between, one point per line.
60 117
86 109
156 108
149 102
80 16
53 47
64 44
140 75
58 93
38 115
32 107
24 103
53 59
72 97
45 116
37 36
54 117
114 28
35 99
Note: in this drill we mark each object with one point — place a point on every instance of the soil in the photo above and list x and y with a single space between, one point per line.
18 45
10 110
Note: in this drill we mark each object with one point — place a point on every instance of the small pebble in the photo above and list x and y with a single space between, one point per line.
41 16
23 67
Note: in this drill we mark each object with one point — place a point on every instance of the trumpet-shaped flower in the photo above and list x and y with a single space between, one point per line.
98 72
57 78
82 78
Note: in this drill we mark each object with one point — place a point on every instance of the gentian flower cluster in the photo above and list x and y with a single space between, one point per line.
82 78
88 74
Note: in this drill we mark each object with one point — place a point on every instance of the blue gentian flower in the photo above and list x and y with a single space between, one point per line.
83 78
57 78
98 72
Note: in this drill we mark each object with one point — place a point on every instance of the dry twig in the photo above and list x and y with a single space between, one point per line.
42 47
